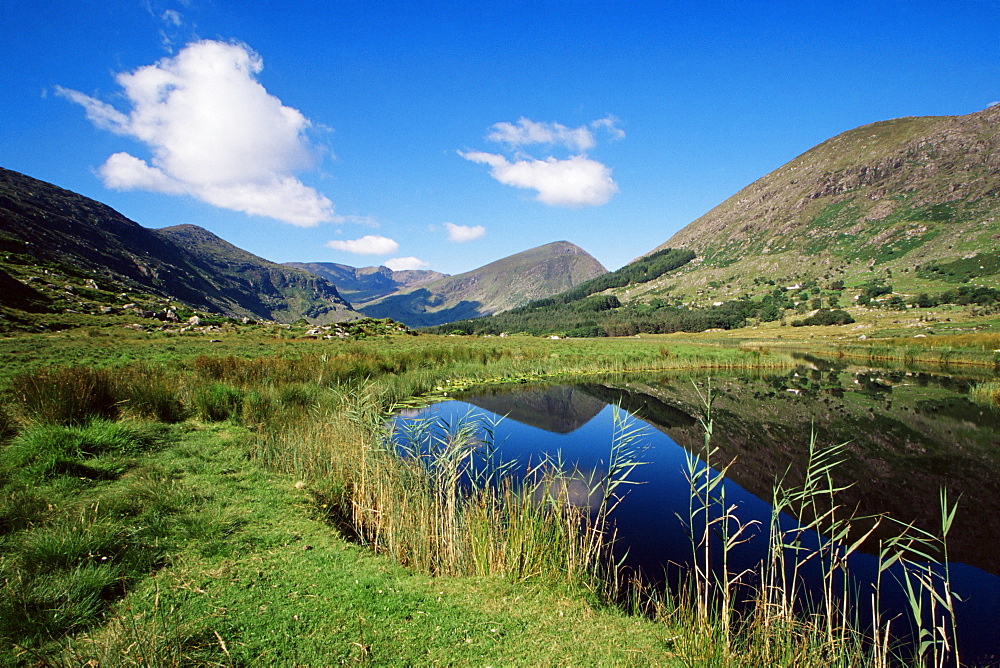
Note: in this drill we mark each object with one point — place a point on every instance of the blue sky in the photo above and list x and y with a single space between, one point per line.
446 135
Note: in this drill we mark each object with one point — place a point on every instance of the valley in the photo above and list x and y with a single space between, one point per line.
193 436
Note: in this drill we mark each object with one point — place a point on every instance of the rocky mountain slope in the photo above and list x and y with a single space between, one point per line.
257 285
899 200
367 283
75 254
498 286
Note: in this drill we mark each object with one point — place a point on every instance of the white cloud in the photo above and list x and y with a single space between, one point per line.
610 124
405 263
214 133
370 244
363 221
173 22
527 132
172 17
462 233
99 113
573 182
126 172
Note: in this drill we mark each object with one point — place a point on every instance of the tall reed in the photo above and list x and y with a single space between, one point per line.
439 498
929 594
801 607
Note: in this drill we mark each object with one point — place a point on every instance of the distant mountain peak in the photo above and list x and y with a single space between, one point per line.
498 286
364 284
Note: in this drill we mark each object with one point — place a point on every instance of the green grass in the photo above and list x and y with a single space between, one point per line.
262 519
80 521
123 540
248 572
987 393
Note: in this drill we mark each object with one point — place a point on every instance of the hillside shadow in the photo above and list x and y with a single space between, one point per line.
413 309
17 295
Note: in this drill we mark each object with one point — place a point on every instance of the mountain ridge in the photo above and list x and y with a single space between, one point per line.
887 195
61 252
51 234
362 284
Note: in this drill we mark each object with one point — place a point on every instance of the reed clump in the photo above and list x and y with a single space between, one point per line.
987 393
799 606
77 395
438 498
68 395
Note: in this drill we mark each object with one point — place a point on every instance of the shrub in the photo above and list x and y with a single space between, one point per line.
825 317
586 331
598 303
875 288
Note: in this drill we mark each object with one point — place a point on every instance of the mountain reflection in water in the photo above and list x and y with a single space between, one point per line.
909 434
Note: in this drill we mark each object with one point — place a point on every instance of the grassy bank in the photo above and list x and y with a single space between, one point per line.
162 506
194 555
234 503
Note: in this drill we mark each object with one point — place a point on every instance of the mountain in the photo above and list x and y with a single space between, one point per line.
896 214
914 196
260 287
74 253
495 287
367 283
61 252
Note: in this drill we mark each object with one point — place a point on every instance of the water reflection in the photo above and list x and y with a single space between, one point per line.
561 409
909 434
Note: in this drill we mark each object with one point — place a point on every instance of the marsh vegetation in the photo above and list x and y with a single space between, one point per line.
167 504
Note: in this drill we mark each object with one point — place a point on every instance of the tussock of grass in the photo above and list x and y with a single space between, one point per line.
64 568
47 450
67 396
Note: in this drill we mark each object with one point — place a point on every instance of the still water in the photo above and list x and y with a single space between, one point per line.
909 434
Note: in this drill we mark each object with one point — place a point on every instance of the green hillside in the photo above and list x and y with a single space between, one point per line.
257 286
897 215
885 201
